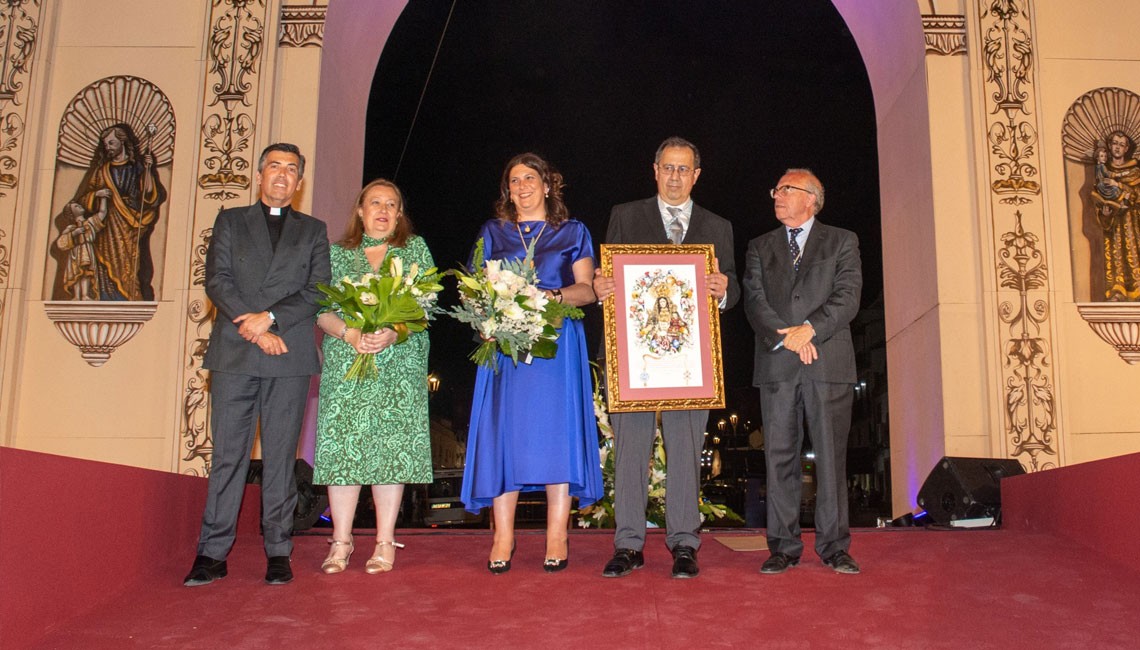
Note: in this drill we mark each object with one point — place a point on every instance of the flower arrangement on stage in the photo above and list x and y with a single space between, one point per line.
600 514
393 299
501 301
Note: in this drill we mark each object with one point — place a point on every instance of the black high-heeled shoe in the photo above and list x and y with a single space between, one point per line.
554 565
501 566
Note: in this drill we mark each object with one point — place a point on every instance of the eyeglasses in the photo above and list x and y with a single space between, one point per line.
785 190
669 169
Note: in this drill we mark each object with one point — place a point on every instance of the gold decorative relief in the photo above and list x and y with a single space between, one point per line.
302 25
1024 338
945 35
1007 50
234 52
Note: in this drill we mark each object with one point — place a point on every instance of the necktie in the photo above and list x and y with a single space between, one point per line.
794 247
676 229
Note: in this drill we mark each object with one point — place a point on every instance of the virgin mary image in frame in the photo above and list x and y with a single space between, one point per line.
662 329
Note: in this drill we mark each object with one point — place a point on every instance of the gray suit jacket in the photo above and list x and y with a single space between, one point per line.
639 222
244 274
824 291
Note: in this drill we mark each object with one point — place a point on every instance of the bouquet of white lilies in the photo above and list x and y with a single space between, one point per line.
402 302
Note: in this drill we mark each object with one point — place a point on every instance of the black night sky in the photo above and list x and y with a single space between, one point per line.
594 86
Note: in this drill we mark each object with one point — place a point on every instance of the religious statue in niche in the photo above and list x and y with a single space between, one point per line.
113 167
1099 135
1116 205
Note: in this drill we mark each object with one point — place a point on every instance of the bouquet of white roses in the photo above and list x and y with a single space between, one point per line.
404 303
501 301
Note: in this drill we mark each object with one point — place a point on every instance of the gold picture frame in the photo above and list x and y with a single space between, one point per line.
664 352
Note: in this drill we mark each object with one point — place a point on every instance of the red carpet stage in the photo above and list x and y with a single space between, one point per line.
92 556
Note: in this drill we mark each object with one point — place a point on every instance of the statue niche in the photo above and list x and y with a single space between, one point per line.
107 243
1102 181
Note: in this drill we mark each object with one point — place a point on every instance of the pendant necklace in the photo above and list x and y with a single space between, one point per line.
533 242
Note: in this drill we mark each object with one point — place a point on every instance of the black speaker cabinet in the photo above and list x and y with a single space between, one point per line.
965 488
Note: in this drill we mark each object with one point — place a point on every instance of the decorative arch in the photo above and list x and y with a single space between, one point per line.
889 35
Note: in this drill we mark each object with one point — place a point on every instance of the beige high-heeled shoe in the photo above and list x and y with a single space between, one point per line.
334 564
377 564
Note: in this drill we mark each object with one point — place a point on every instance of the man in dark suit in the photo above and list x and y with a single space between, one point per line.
669 217
801 291
262 270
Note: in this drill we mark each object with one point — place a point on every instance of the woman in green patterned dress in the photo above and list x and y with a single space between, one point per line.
374 431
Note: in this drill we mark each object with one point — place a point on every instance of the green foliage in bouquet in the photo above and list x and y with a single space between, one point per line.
501 301
404 303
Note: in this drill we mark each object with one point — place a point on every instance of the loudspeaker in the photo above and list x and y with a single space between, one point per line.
966 488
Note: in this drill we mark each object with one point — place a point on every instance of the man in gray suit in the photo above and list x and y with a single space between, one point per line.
669 217
801 290
262 270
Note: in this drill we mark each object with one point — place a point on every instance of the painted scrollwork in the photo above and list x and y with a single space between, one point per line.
1023 297
18 33
4 264
1029 404
194 432
235 47
1007 51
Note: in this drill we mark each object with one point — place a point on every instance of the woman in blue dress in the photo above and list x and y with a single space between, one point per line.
532 425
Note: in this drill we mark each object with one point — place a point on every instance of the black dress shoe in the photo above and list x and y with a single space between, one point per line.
624 561
685 562
498 567
205 570
778 563
278 571
841 562
554 565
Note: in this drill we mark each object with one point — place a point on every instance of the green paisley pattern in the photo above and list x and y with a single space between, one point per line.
375 431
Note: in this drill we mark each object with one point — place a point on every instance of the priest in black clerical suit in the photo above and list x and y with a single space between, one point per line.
262 270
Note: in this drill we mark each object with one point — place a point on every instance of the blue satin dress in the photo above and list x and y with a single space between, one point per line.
533 425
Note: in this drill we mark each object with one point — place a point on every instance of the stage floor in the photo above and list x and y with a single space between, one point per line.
919 588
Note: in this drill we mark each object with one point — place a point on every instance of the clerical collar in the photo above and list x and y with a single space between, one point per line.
272 211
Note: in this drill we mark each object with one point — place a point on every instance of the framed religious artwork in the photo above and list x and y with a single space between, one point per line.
662 329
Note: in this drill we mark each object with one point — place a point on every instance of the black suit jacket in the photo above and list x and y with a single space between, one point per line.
639 222
245 275
824 291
